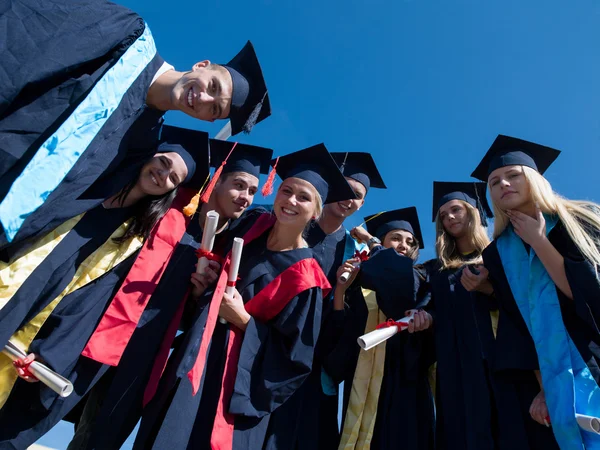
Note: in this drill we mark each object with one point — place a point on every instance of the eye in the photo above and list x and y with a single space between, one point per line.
253 191
494 183
304 198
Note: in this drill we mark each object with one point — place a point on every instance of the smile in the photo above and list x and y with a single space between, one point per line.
190 98
154 180
508 193
289 212
344 207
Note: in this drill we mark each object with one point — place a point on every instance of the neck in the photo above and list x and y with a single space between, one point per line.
329 223
283 238
134 196
529 209
211 206
159 94
464 245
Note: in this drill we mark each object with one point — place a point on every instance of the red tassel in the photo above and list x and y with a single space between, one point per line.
208 191
268 187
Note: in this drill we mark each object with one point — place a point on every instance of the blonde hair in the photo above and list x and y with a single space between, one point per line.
580 219
445 245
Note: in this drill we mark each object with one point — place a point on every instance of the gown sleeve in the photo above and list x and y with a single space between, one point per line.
276 357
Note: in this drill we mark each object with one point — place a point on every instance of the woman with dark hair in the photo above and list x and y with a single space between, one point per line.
54 294
387 399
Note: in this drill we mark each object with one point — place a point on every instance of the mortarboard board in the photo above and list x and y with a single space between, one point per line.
509 151
405 219
316 166
192 146
474 193
249 99
244 158
360 167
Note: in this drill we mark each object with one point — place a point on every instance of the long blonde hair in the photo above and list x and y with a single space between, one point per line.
445 245
580 219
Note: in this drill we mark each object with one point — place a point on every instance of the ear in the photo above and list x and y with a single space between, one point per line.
201 65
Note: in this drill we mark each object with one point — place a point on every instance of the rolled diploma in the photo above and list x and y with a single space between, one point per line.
376 337
54 381
588 423
208 238
234 267
346 275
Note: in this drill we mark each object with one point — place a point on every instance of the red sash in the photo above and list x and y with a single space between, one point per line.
108 342
270 301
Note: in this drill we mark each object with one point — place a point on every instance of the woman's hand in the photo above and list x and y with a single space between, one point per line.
233 311
201 281
349 267
472 282
532 231
538 409
22 367
360 234
421 320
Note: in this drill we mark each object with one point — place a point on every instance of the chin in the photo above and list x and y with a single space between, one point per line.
513 202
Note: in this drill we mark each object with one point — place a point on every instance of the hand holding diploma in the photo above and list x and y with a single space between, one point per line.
230 298
208 240
383 332
352 264
54 381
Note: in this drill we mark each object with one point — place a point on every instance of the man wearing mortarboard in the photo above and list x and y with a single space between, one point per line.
84 92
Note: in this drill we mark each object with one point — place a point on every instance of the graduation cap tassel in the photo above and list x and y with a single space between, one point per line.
208 191
190 209
253 117
268 186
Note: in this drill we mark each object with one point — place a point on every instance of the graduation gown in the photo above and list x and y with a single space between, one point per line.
267 402
579 315
473 407
405 415
72 110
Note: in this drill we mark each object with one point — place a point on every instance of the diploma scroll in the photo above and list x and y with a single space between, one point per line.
208 238
234 267
346 275
588 423
54 381
376 337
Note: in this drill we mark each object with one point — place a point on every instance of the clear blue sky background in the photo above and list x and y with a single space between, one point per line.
424 85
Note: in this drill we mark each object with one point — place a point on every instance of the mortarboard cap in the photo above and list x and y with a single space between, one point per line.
316 166
244 158
473 193
509 151
249 99
405 219
192 146
360 167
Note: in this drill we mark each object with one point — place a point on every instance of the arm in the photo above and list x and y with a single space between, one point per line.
276 357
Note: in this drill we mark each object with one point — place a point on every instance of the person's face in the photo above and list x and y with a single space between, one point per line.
295 203
346 208
235 193
399 240
455 218
509 188
204 93
163 173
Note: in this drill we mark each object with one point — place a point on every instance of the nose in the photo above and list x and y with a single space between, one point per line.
206 98
163 174
504 183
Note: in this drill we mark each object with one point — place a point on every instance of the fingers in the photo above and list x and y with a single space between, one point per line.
421 321
214 265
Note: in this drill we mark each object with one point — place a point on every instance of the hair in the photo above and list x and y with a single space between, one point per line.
146 213
581 219
413 250
445 245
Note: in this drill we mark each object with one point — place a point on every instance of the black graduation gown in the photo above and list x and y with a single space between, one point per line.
273 370
516 357
464 343
52 54
328 249
405 413
123 400
56 271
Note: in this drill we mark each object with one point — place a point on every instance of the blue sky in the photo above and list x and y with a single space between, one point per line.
424 85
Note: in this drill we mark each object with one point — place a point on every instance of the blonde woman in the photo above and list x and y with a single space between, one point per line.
257 391
543 265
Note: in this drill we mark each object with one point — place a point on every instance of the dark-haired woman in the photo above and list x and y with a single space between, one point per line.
54 294
387 399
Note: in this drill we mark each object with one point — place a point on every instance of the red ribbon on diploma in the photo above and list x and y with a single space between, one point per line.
392 323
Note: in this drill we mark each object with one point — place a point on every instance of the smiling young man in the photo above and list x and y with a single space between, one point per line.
84 92
115 404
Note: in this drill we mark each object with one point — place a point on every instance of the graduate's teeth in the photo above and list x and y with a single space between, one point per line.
289 211
190 98
154 179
